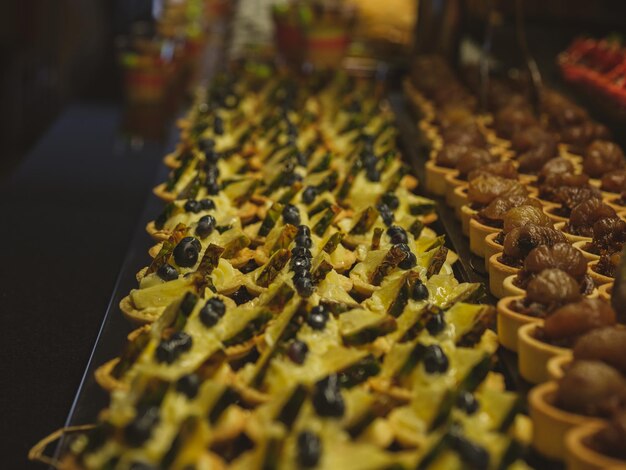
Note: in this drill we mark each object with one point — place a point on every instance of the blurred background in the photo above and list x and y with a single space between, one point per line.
149 52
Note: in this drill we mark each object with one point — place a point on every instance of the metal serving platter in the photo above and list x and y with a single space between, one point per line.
90 399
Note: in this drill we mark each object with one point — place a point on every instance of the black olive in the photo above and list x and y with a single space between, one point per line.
297 351
211 156
309 194
218 125
467 402
167 272
301 158
206 145
300 262
397 235
300 251
391 200
317 317
212 172
299 272
209 317
436 324
212 187
140 429
303 241
205 226
292 178
188 303
212 311
188 385
207 204
327 398
304 286
372 174
187 251
369 160
404 247
304 230
193 206
409 262
321 309
385 213
420 291
291 215
316 321
472 454
435 360
168 350
309 449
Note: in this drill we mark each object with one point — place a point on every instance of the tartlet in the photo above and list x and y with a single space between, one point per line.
534 354
580 456
498 272
598 279
477 234
550 423
509 322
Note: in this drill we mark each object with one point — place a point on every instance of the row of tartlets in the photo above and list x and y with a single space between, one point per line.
542 200
298 312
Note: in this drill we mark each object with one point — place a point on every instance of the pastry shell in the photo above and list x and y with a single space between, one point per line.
550 424
570 237
171 161
579 456
598 279
557 366
498 272
156 234
550 212
164 195
453 182
466 215
477 234
491 248
605 291
436 177
587 254
533 354
509 322
510 288
458 199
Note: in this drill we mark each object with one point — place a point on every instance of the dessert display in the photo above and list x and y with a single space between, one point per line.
298 311
301 308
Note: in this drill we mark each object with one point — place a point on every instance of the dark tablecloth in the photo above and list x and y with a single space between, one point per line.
67 217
